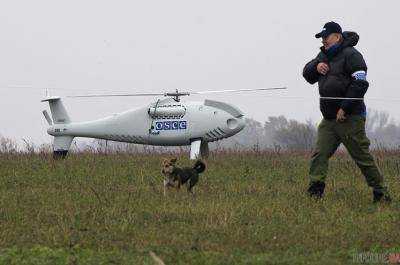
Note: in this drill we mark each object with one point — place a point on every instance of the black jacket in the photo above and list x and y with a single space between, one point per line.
338 82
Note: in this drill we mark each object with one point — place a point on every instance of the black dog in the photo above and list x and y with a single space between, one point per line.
181 175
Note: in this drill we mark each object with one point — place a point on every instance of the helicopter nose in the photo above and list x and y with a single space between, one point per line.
242 123
235 124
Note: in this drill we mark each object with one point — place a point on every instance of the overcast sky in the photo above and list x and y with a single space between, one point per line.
157 45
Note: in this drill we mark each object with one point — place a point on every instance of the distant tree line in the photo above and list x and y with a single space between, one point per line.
276 133
283 133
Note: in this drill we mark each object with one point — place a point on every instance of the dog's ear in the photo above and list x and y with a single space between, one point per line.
173 160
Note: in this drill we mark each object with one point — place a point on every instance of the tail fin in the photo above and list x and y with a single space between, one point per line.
58 111
61 146
199 166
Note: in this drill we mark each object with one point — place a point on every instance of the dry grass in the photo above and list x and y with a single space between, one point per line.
249 208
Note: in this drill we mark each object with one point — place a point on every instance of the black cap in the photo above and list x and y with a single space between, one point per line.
329 28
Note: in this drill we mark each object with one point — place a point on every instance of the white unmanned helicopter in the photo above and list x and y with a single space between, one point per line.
165 122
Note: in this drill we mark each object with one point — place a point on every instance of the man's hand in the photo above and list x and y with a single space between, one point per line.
322 68
340 116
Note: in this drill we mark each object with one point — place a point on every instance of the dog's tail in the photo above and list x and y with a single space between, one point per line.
199 166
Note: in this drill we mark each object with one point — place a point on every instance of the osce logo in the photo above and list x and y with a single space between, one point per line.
171 125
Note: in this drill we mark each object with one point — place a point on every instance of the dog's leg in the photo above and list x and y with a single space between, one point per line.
192 194
166 183
178 187
192 182
190 188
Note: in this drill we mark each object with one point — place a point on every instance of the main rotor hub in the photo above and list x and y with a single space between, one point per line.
176 95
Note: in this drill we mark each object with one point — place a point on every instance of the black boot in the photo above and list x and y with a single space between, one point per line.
380 196
316 189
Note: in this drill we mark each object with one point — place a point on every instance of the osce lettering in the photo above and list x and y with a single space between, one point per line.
171 125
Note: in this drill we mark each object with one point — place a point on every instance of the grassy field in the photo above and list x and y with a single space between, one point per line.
248 208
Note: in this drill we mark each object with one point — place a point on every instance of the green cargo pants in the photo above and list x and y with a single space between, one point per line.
351 133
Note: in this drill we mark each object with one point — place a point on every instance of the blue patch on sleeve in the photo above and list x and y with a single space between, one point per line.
360 75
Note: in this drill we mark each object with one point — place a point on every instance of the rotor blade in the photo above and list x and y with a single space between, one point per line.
368 98
333 98
236 90
117 95
341 98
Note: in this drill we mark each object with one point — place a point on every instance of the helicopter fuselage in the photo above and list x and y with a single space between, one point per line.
165 123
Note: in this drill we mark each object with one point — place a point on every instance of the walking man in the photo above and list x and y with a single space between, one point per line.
341 72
